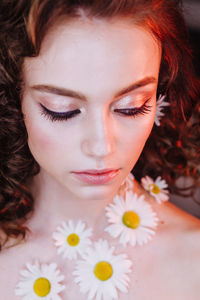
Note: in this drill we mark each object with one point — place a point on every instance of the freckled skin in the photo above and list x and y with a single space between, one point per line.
96 59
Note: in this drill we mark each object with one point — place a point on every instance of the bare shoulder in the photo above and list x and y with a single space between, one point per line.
170 214
177 248
183 252
9 257
7 273
11 261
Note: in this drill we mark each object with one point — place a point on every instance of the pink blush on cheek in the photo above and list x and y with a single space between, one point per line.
41 143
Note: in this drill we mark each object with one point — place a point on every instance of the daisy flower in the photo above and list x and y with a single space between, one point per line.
132 219
156 188
40 282
101 273
160 104
72 239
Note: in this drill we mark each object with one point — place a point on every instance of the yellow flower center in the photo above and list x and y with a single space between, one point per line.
103 270
131 219
73 239
154 188
42 287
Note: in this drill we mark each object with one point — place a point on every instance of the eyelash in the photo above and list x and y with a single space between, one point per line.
63 116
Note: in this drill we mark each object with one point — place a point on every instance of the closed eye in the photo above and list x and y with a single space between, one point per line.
133 112
63 116
58 116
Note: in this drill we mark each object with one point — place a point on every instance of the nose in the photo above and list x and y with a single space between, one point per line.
99 136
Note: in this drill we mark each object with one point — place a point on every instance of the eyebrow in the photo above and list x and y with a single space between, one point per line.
73 94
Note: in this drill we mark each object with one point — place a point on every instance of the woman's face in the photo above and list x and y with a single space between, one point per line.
102 71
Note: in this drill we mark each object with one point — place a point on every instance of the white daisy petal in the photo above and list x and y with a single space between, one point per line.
44 284
156 188
160 104
128 183
80 227
101 273
72 239
25 273
133 216
112 291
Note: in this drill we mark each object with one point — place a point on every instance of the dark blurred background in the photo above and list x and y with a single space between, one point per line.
192 16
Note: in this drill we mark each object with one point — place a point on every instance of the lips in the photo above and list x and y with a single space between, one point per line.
96 172
96 176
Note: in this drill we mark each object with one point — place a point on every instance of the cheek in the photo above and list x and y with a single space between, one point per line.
136 141
137 136
44 144
40 140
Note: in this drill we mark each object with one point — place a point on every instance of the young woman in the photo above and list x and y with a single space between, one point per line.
82 84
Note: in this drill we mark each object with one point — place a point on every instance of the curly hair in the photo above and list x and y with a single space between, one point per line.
173 148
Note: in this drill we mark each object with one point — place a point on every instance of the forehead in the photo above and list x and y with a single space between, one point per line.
84 53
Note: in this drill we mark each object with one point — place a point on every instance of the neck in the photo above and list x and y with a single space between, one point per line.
54 203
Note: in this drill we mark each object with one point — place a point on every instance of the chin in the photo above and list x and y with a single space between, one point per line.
100 192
